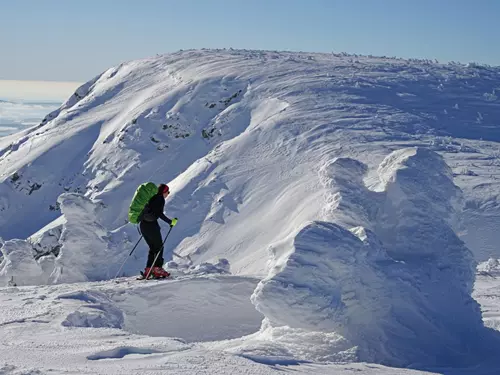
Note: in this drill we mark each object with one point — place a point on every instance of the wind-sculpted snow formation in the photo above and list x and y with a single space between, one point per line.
398 286
80 249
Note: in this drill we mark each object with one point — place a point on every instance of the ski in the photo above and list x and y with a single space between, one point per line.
142 276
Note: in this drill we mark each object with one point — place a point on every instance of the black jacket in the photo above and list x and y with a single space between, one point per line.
154 210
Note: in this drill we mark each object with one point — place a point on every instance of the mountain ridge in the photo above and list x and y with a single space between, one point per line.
337 181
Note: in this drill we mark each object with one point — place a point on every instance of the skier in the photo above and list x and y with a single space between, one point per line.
152 233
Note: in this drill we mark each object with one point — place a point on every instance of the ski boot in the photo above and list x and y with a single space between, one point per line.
148 272
159 273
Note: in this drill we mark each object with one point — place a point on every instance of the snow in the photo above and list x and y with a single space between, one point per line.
332 212
487 291
227 311
77 249
382 287
86 328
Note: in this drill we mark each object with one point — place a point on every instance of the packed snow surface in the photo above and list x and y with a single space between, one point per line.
332 209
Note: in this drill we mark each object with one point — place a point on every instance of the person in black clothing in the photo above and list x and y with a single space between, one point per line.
151 232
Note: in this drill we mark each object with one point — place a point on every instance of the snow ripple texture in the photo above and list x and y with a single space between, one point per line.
398 285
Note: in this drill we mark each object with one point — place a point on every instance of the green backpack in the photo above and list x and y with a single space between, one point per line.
141 197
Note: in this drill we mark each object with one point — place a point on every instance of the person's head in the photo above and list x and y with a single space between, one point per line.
164 190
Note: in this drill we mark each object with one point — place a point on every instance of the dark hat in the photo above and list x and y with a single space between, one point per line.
163 188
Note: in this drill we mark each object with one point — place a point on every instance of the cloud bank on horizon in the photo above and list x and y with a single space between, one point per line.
46 91
25 103
15 116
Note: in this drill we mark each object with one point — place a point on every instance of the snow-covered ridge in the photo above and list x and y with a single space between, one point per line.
148 113
337 181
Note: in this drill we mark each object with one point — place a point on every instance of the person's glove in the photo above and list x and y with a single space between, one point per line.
173 222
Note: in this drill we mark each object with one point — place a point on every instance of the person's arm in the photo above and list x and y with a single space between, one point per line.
165 219
157 209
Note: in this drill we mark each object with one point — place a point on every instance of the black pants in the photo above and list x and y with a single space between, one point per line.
152 234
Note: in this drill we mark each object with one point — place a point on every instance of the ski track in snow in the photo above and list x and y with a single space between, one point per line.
324 199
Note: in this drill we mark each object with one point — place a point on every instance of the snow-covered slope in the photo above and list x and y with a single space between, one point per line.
340 187
273 116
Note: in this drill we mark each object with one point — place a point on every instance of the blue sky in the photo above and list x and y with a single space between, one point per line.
65 40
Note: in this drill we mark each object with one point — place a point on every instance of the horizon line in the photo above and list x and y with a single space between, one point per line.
40 81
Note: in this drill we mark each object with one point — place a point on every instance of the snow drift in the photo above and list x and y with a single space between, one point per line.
399 286
79 249
85 252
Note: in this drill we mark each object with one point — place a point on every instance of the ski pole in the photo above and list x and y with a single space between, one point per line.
158 253
128 257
